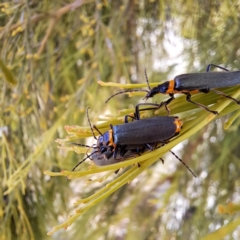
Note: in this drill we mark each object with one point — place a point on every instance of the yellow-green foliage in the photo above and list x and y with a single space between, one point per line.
194 120
54 57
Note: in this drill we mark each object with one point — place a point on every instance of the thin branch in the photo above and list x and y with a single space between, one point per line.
34 19
57 15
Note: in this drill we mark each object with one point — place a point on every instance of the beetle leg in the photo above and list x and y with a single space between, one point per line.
109 154
128 116
155 106
115 151
162 160
123 150
149 147
226 96
207 90
167 102
199 104
217 66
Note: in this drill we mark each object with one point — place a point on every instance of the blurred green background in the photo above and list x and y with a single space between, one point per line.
58 51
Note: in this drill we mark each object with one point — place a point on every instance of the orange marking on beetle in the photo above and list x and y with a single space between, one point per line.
178 124
171 86
111 140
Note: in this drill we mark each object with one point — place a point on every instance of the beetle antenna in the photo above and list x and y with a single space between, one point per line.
88 156
93 125
135 90
145 72
183 163
83 145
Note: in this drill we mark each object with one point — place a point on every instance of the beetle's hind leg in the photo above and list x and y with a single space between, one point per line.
199 104
226 96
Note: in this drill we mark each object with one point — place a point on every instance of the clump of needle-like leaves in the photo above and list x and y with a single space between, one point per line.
193 119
